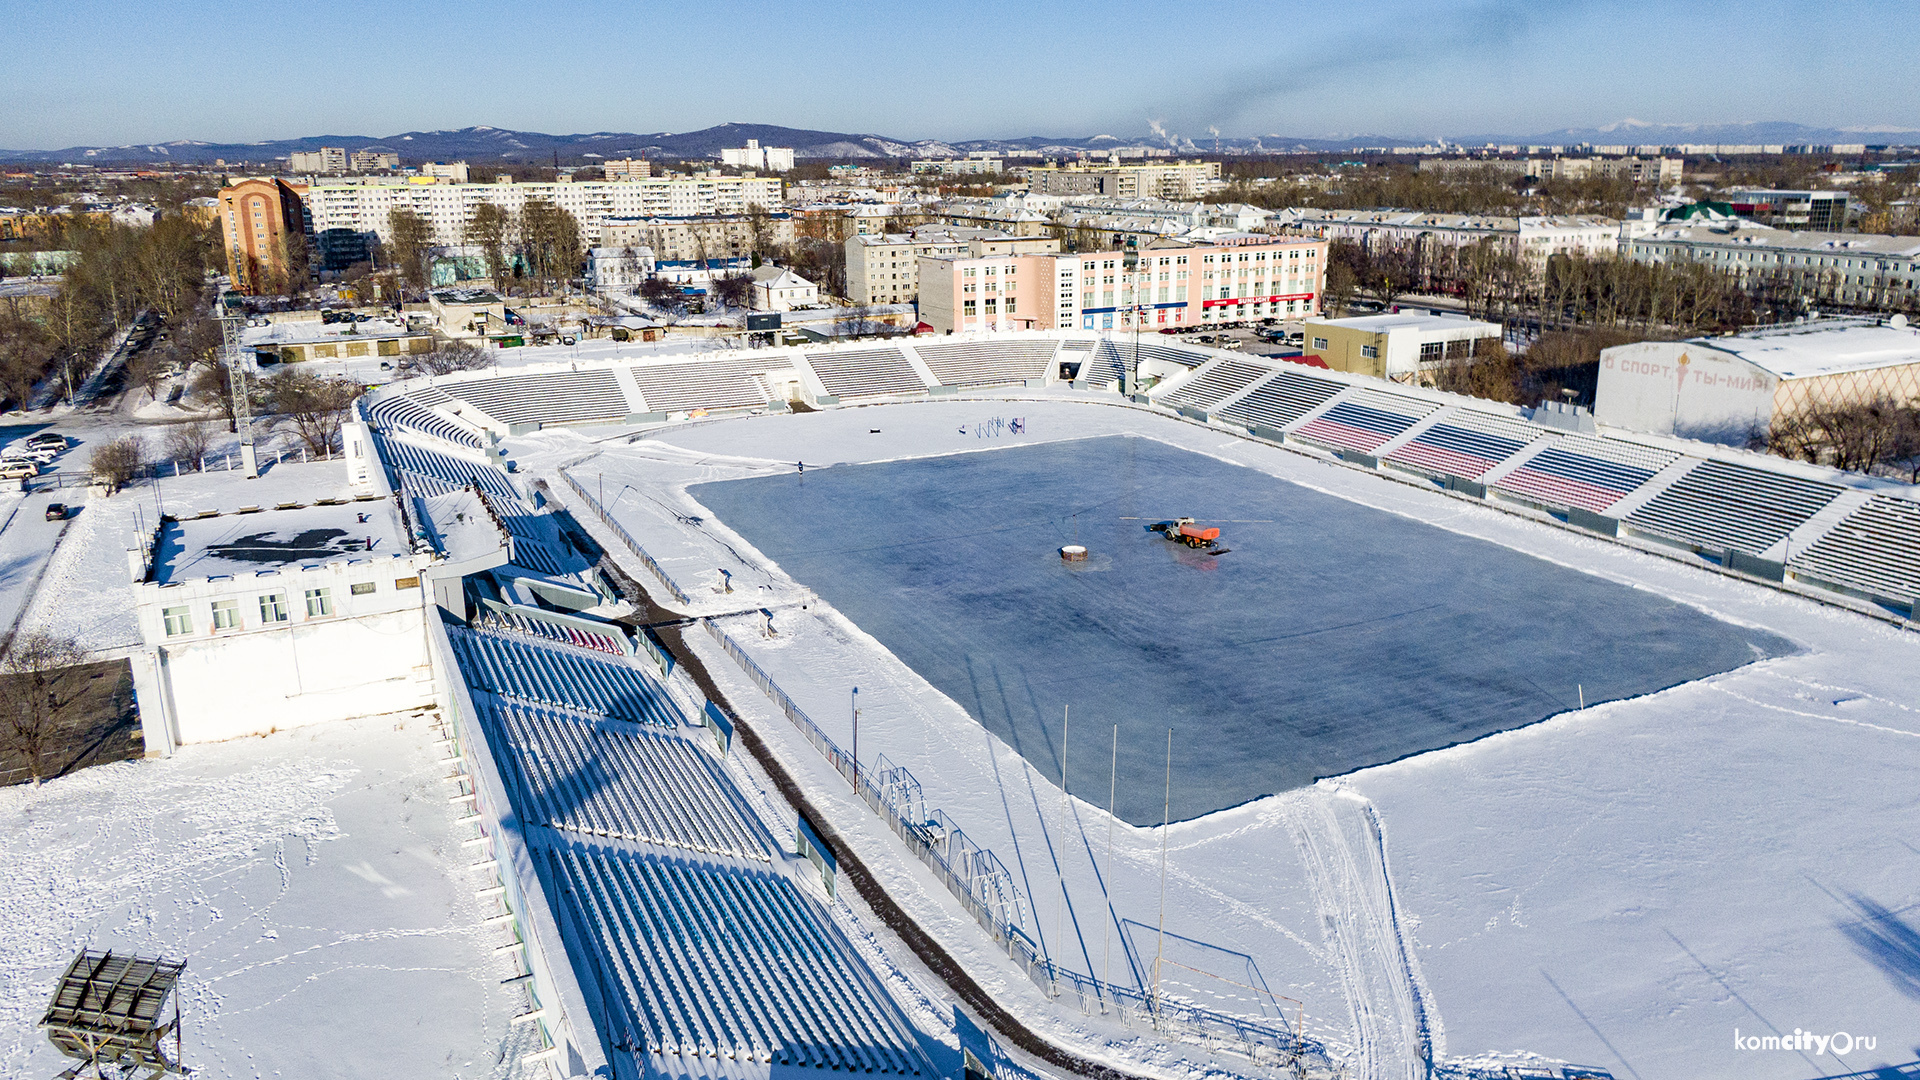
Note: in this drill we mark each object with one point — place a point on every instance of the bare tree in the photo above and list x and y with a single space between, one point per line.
412 241
490 229
116 463
316 406
734 290
39 666
449 357
189 442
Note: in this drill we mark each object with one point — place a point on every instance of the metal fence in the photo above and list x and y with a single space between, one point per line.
625 538
984 886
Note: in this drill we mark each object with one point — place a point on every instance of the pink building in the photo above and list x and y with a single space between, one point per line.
1232 277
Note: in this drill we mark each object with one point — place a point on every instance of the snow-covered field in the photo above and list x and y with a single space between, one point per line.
1622 886
312 880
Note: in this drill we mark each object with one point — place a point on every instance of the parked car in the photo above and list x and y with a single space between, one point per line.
56 511
18 469
43 439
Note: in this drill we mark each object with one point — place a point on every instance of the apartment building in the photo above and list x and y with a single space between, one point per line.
363 161
1169 283
1853 269
327 159
627 169
1169 180
448 207
679 238
1661 171
454 172
755 156
257 217
1533 238
884 268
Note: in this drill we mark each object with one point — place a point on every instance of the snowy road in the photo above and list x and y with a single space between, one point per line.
27 541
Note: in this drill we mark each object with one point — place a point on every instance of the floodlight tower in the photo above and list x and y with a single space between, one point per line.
233 319
1130 269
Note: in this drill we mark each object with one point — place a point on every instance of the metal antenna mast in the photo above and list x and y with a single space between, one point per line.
233 319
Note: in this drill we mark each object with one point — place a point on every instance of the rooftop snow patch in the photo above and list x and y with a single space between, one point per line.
249 541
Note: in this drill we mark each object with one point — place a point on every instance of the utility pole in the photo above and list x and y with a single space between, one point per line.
233 319
856 739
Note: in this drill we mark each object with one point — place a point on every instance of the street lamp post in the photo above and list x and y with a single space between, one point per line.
856 738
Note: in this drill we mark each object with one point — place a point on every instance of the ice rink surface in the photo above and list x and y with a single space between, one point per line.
1333 636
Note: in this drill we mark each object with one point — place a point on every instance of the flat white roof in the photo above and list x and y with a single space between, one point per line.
247 542
1419 321
1801 352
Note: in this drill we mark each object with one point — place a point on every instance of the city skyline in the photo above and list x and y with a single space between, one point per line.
1393 68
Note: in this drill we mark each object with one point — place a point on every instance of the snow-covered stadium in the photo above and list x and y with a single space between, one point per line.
1495 746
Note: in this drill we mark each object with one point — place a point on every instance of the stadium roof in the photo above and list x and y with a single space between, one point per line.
1824 348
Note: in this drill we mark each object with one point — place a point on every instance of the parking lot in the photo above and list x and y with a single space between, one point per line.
1265 337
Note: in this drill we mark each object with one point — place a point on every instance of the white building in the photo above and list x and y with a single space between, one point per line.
363 207
327 159
883 268
1533 238
1864 269
260 619
453 171
1405 347
755 156
619 269
776 288
1732 389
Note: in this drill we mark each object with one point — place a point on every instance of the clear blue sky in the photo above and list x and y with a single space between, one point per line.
115 71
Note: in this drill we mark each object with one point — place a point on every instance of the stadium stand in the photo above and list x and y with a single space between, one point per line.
724 962
1281 400
1466 443
1154 351
1364 419
611 779
1588 473
546 397
1213 385
854 373
407 412
507 622
1722 506
1106 366
986 363
514 667
1875 550
434 472
711 384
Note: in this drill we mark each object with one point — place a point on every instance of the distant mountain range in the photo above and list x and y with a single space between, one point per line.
500 144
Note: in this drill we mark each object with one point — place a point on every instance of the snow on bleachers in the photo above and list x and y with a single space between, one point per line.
408 412
1281 400
613 779
436 472
514 667
1105 367
1466 443
986 363
709 384
547 397
854 373
1720 505
1364 419
1213 385
712 962
1079 344
1875 549
1149 350
507 622
1589 473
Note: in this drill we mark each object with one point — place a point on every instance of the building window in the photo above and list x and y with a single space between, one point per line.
966 308
361 588
1431 352
178 621
406 583
1319 343
226 614
1009 305
1370 352
273 608
319 603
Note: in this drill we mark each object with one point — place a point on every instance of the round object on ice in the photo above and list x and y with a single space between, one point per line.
1074 553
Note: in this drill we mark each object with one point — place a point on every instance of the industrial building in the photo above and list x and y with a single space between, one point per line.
1732 389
